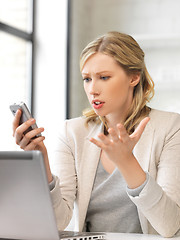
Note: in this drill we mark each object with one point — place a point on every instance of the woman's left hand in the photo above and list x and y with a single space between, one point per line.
119 144
118 147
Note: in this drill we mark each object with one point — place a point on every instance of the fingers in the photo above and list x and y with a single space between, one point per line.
139 130
96 142
114 137
104 139
26 141
19 131
103 143
29 138
113 134
123 135
34 143
120 136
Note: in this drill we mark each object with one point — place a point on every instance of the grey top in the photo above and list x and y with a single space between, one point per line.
110 209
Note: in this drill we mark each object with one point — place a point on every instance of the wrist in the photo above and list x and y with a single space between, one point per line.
46 162
132 172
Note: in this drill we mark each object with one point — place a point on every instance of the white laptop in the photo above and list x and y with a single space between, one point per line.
25 203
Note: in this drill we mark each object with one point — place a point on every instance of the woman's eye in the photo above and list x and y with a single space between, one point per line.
86 79
105 78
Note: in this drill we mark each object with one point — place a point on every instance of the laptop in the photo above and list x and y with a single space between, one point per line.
26 210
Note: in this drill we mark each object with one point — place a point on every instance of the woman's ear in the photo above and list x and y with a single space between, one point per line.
135 79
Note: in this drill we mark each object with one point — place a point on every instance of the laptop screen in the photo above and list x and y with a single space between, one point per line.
25 204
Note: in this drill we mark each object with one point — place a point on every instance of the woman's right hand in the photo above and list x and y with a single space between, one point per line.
27 141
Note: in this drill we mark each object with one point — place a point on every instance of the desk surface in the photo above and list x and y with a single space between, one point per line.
129 236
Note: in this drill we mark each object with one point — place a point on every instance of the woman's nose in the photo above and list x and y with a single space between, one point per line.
93 88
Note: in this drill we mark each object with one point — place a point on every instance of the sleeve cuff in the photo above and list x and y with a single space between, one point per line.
136 191
52 184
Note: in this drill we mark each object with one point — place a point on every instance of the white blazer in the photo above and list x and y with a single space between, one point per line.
158 151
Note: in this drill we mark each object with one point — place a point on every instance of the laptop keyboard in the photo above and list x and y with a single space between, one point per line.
71 235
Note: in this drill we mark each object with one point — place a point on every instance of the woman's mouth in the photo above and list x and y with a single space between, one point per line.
97 104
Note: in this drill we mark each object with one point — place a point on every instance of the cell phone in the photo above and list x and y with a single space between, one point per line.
26 115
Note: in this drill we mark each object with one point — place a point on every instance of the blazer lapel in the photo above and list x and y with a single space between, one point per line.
87 172
143 148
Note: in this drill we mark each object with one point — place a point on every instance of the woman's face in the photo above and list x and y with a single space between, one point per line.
108 88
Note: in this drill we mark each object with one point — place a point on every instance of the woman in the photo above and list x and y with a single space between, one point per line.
119 164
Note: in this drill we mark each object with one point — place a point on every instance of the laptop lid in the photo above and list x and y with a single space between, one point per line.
25 203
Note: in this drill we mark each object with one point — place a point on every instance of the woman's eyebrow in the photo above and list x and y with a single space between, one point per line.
102 72
97 73
85 75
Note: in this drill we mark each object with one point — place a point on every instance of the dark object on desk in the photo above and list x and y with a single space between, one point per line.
70 235
26 210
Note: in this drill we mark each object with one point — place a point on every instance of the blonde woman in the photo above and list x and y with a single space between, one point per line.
118 166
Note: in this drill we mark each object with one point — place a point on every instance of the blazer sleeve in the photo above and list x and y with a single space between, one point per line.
63 168
159 201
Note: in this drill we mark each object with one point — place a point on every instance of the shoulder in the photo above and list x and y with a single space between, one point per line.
164 121
163 116
78 127
78 123
73 122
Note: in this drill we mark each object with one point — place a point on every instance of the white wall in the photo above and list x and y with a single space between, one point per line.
153 23
50 66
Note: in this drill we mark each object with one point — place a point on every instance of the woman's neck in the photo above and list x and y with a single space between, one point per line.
113 120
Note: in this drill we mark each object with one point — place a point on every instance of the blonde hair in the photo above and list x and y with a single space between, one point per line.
128 54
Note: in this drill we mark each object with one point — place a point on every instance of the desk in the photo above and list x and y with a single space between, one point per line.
130 236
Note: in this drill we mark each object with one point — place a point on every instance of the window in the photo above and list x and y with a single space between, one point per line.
16 61
43 90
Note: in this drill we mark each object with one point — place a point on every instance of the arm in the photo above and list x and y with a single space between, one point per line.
159 201
28 141
63 194
63 168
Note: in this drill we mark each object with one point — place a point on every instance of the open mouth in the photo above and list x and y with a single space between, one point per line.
97 103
